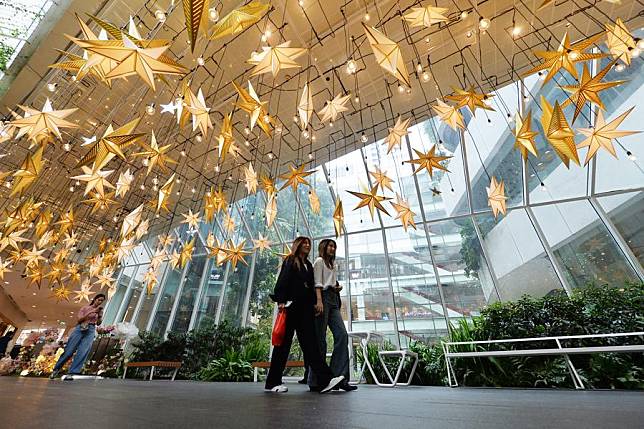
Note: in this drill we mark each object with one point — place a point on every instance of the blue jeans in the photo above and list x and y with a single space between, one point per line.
81 343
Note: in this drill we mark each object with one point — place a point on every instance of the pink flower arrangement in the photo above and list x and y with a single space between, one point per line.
104 330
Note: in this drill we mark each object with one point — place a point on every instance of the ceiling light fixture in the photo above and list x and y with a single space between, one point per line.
213 14
51 87
484 23
160 15
201 61
150 110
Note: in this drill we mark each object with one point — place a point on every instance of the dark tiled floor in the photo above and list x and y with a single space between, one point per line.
115 404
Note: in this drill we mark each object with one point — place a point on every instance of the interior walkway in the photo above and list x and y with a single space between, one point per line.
40 403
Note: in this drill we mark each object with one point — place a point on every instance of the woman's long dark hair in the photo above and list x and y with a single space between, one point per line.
329 260
100 295
294 256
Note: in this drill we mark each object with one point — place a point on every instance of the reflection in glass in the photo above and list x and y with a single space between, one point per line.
625 211
116 300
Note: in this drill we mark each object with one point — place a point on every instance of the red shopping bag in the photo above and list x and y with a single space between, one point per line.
279 329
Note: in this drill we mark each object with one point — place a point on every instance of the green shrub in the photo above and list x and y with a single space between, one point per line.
230 367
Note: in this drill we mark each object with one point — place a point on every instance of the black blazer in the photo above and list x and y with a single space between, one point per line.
295 284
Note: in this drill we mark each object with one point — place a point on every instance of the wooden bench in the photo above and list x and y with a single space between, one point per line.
154 364
265 364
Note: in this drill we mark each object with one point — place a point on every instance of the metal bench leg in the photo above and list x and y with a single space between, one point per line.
124 372
411 374
174 374
391 380
151 373
576 379
451 376
255 374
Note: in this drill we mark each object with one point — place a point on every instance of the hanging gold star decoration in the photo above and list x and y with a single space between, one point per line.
334 107
338 218
15 256
225 139
602 134
295 177
305 107
370 200
186 252
558 132
70 240
96 179
588 89
66 221
228 223
381 179
397 133
100 201
235 253
61 293
142 229
56 272
426 16
133 59
388 54
131 221
124 249
470 98
273 59
32 257
620 42
219 200
12 239
104 279
250 179
28 172
196 19
95 265
496 196
124 183
150 280
175 259
192 219
77 63
158 257
43 222
314 201
545 3
262 243
214 249
208 206
404 212
268 184
85 292
41 125
566 56
166 240
36 274
239 19
200 112
449 115
165 192
250 103
270 211
429 161
4 268
111 144
524 136
156 155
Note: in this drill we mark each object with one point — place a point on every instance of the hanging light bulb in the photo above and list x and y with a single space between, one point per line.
419 68
71 189
78 183
7 184
160 15
357 99
408 90
464 14
620 67
401 88
310 156
142 187
367 17
631 156
51 87
150 110
278 129
516 31
468 34
270 155
213 14
305 134
201 61
542 186
155 180
115 218
364 138
425 77
246 143
67 147
331 124
484 23
301 3
193 190
351 66
636 52
217 168
145 162
199 138
247 131
640 43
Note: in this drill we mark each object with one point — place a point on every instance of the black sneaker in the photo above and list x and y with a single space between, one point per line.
302 381
346 386
315 389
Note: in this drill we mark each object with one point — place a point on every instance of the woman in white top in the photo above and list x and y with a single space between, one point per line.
327 311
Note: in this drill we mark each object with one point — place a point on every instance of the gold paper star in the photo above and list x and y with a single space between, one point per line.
95 64
28 172
131 221
382 180
111 144
96 179
388 54
370 200
12 239
620 42
186 252
429 161
214 249
524 136
196 19
250 103
334 107
124 249
450 115
274 59
225 138
100 201
405 214
66 221
236 253
219 200
200 112
166 240
314 201
84 293
156 155
228 223
565 57
142 229
70 240
4 268
150 280
175 259
42 224
61 293
268 184
250 179
602 134
192 219
496 196
470 98
270 211
558 132
33 257
262 243
588 89
426 16
40 125
239 19
104 279
295 177
305 108
338 218
123 183
397 133
165 192
56 272
157 258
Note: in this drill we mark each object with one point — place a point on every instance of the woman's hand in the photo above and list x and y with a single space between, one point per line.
319 308
338 287
281 305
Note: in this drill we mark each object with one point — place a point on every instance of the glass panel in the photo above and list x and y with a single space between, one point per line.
211 294
117 298
321 224
260 309
625 211
149 298
166 301
135 293
189 293
519 260
582 244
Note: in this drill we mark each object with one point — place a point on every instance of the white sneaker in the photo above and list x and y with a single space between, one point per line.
278 389
334 382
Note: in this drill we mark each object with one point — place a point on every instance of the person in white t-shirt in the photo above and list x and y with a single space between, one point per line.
327 311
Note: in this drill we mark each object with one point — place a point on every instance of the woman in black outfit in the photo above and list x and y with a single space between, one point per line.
295 292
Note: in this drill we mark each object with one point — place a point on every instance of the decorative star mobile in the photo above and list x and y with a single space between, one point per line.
429 161
196 19
175 259
305 107
228 222
273 59
61 293
602 135
250 179
235 253
524 136
111 144
100 201
370 200
214 249
186 252
334 107
84 293
496 196
165 192
40 125
142 229
124 183
150 280
470 98
66 221
28 172
449 115
96 179
4 268
270 212
314 201
295 177
588 89
381 179
338 218
404 212
262 243
192 219
620 42
558 132
426 16
268 185
196 105
239 19
156 155
131 221
124 249
12 239
104 279
250 103
225 139
397 133
388 54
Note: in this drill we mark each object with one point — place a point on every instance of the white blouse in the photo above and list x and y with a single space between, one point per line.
324 276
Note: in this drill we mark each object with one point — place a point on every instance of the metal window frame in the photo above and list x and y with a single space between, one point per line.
177 298
128 292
